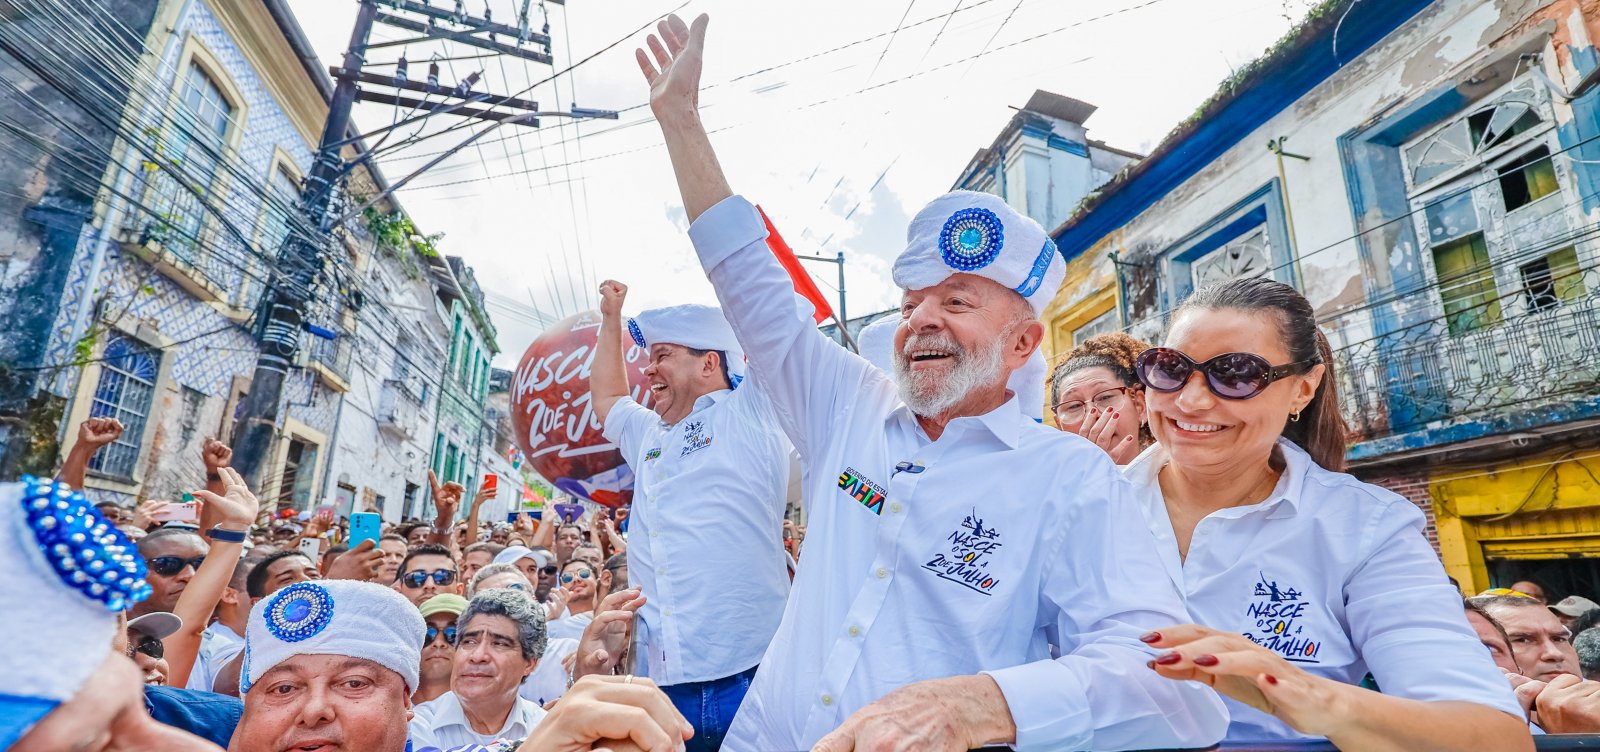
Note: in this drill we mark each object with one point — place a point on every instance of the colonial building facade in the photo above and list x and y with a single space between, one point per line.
1425 172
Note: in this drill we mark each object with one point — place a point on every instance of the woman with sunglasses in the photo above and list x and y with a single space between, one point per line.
1096 395
1302 579
578 584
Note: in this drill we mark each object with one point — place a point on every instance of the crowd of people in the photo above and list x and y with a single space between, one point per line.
1167 556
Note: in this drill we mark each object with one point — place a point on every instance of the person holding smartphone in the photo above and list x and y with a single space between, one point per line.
711 477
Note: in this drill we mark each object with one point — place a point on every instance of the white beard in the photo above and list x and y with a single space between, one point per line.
930 394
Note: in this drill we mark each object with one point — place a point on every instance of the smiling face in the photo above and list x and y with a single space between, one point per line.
1206 433
107 715
324 703
489 664
957 343
165 589
578 577
677 377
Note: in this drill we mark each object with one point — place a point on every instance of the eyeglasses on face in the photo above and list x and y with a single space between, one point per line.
1102 400
167 566
434 632
151 646
418 577
1235 376
566 579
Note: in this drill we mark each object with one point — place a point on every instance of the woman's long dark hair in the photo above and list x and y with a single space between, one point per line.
1321 429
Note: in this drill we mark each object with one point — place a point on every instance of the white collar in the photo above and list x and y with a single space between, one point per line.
703 402
1284 500
1003 422
453 714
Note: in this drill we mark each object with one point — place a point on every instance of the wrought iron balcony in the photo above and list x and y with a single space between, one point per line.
171 228
1489 355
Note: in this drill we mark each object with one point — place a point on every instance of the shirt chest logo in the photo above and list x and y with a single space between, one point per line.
966 562
652 454
1277 614
856 486
695 438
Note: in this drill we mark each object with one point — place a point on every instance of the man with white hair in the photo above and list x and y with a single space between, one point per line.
949 533
711 480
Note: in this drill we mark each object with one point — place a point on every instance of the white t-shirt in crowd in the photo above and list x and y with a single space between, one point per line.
441 722
549 679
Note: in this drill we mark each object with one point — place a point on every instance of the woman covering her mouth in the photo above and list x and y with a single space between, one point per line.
1301 579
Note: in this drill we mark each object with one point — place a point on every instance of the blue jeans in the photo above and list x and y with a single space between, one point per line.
709 706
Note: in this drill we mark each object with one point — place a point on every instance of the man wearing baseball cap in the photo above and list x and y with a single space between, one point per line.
711 479
61 684
439 613
1572 607
952 538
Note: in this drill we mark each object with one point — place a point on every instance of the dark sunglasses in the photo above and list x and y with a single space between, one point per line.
549 571
582 573
418 577
148 645
1235 376
434 632
167 566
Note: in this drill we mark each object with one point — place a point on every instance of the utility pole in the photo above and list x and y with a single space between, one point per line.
842 318
256 428
257 425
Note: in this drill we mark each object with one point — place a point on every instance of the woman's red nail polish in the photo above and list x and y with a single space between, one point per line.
1273 680
1150 664
1205 660
1169 659
1149 637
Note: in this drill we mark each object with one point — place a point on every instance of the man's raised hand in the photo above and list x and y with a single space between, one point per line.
674 74
98 432
612 293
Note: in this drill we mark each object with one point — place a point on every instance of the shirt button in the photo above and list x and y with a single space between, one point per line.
661 570
827 699
882 573
895 507
855 631
667 612
655 533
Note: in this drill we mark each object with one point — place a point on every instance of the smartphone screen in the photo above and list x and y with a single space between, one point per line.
491 482
184 512
365 526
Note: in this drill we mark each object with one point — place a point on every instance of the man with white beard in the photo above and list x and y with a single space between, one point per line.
949 534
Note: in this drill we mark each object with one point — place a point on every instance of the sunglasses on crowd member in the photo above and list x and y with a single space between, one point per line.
151 646
167 566
549 571
418 577
434 632
1235 376
567 579
1103 400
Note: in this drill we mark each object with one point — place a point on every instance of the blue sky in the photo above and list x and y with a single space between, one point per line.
840 148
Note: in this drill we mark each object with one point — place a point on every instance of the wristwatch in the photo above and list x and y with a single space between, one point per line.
217 533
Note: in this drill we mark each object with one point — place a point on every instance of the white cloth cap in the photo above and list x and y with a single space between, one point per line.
334 617
67 592
514 554
699 327
978 233
876 341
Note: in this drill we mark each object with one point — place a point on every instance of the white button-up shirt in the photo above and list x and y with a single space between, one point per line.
441 722
1332 574
705 540
218 645
961 562
549 679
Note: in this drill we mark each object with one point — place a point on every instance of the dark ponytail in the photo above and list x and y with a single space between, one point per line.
1320 429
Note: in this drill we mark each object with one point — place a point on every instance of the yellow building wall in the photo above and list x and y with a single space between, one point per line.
1539 507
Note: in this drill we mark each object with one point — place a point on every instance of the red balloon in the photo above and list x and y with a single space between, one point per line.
556 427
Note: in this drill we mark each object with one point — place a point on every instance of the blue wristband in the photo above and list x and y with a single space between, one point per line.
227 536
